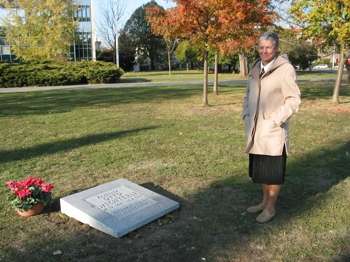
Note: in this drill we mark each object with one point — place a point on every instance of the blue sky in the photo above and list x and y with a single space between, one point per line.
130 6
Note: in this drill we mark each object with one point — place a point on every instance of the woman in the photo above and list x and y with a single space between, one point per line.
272 97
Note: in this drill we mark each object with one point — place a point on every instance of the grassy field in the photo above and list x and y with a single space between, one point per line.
163 76
163 139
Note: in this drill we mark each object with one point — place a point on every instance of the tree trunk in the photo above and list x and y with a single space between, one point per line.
335 98
216 75
150 66
187 67
205 82
169 62
243 65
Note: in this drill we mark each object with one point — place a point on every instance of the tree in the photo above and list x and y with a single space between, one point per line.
327 23
208 23
163 23
231 61
105 54
126 52
187 53
109 27
43 30
141 39
241 47
216 73
302 55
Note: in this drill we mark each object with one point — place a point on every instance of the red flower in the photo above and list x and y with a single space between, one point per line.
32 181
14 186
23 193
10 183
46 187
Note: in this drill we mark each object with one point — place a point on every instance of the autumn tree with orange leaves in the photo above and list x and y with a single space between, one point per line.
163 23
241 47
215 24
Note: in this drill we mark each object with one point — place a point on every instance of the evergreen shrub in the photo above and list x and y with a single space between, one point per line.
48 73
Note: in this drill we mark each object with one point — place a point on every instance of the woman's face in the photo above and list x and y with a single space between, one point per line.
267 51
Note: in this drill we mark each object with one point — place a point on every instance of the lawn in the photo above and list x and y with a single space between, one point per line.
176 75
191 75
163 139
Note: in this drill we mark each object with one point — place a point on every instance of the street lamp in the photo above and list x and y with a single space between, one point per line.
93 30
117 49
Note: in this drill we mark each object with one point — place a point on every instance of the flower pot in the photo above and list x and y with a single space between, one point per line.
35 210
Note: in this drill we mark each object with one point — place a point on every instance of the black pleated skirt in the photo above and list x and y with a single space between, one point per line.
269 170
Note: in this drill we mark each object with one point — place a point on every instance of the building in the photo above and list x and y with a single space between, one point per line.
83 48
5 49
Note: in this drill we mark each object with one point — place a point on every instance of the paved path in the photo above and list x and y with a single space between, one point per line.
129 85
117 85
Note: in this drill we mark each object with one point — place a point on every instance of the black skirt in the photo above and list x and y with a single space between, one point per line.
269 170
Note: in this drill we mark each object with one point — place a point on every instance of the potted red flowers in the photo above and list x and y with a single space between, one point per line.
29 196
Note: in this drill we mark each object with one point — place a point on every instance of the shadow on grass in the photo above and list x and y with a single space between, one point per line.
312 90
65 145
166 73
211 225
134 80
66 100
49 102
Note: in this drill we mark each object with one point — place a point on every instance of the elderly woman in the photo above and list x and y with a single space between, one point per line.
272 97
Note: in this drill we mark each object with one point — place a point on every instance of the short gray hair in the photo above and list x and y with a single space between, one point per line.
271 36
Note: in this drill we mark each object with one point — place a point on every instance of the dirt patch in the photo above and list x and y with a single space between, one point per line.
327 105
193 107
340 109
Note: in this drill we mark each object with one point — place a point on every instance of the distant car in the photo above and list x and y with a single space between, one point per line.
321 66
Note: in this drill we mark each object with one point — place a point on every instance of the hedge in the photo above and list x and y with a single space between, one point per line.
47 73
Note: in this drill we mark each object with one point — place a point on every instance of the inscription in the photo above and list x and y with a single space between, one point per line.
121 201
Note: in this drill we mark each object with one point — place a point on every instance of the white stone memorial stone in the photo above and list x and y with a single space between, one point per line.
117 207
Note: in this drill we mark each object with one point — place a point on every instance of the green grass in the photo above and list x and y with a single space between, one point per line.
163 139
178 75
316 75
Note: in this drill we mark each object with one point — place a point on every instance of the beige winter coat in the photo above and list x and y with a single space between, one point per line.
266 125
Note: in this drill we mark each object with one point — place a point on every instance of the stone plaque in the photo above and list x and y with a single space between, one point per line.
121 202
118 207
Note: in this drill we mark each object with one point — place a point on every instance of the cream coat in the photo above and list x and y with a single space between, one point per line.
279 99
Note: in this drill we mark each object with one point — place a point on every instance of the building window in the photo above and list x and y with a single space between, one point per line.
82 49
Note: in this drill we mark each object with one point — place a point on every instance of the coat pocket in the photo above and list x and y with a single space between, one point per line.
269 127
270 138
266 115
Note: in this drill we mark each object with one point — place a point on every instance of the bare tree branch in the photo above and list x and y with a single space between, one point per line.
110 24
281 8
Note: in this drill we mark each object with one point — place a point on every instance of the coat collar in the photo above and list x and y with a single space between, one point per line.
279 61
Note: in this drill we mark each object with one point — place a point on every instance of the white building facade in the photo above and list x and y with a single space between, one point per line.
83 48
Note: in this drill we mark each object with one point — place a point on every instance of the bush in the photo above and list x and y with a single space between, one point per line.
47 73
100 72
302 55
